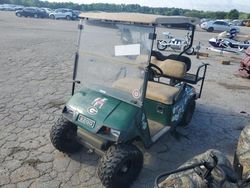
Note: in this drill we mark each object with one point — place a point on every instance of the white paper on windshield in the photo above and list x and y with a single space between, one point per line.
125 50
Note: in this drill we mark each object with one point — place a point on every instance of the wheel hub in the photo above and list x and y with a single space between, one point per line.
124 168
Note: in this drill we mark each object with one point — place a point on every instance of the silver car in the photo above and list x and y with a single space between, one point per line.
218 25
63 13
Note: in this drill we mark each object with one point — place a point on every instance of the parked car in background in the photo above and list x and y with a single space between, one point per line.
10 7
47 10
218 25
237 23
31 12
19 7
204 20
77 13
63 13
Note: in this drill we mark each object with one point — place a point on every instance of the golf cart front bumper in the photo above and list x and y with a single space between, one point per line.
92 141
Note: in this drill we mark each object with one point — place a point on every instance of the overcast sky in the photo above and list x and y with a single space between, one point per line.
213 5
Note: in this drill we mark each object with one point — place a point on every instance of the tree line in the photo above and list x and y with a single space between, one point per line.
233 14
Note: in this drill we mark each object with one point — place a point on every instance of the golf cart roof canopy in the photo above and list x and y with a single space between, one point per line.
140 18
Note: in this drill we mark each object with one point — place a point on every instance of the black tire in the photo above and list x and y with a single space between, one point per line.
161 47
63 136
18 14
188 113
190 51
210 29
120 166
52 16
68 17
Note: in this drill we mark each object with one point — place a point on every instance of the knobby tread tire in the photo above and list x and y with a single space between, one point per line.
112 161
59 139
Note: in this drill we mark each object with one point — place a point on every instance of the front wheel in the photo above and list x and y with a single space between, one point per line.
210 29
120 166
63 136
161 46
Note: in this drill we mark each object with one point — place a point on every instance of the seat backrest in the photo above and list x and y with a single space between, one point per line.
172 68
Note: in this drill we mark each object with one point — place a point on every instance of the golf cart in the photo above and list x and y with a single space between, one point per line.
122 96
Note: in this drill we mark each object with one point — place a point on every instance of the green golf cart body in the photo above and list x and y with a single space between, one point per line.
118 96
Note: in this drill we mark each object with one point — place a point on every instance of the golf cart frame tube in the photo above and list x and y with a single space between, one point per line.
192 39
203 77
80 27
145 82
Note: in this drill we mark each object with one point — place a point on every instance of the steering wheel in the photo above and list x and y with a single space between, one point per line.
156 71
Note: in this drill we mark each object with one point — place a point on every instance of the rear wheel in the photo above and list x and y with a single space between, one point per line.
63 136
68 17
161 46
210 29
190 51
120 166
188 113
52 16
18 14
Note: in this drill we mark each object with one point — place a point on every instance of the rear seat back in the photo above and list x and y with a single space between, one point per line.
172 68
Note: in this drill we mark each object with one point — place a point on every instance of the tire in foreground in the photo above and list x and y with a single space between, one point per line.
120 166
63 136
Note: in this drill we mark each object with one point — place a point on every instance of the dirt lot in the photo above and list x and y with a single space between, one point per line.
36 63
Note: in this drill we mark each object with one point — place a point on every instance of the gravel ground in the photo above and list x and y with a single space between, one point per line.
36 63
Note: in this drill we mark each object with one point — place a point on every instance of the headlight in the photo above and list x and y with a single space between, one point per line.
109 131
69 111
115 133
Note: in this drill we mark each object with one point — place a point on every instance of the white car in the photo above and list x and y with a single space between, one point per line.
8 7
218 25
63 13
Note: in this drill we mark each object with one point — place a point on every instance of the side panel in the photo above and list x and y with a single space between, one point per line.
158 112
180 105
169 115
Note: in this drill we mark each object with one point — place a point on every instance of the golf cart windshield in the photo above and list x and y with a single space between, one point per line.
113 58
